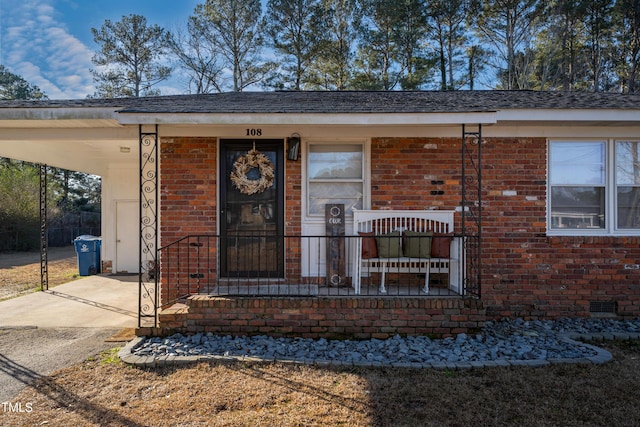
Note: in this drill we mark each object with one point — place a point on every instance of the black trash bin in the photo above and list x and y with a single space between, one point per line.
88 251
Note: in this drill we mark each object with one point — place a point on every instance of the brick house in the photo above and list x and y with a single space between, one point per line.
234 190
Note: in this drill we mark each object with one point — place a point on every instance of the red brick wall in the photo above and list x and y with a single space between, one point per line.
525 272
293 217
530 274
188 197
403 171
360 318
559 276
188 183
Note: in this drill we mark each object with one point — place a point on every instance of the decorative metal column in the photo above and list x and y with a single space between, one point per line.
472 210
44 231
148 280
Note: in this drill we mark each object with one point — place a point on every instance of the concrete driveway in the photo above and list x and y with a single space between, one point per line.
45 331
95 301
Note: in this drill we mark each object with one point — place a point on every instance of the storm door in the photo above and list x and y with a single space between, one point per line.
251 208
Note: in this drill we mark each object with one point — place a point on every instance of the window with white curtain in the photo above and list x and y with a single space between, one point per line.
335 175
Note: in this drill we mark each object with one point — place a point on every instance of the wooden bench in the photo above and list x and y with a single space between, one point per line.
397 240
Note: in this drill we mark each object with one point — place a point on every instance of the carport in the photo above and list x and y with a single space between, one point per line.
84 136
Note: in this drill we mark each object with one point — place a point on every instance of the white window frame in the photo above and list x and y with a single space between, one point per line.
616 185
610 189
366 174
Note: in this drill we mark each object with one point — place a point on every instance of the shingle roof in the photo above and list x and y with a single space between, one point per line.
382 102
68 103
350 102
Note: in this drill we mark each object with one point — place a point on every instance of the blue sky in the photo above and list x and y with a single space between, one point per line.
49 42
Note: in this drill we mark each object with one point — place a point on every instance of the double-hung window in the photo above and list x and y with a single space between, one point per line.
594 187
335 175
628 185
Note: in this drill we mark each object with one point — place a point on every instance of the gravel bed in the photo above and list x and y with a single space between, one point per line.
510 340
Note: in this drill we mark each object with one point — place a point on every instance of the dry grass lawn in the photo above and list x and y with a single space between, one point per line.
105 392
20 272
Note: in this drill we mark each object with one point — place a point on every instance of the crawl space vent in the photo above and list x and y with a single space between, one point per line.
600 307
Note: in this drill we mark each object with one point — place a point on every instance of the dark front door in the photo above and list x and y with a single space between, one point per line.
252 208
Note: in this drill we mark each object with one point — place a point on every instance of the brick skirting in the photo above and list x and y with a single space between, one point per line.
332 318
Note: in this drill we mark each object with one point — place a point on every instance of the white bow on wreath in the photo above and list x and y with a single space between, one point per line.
244 164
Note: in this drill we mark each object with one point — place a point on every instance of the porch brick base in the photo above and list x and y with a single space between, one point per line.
331 318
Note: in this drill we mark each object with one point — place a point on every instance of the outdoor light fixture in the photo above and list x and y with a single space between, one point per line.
293 147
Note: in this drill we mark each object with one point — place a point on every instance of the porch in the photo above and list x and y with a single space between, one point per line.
253 278
282 286
266 265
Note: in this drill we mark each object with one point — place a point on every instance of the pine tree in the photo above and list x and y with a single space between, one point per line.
236 29
12 86
298 35
130 59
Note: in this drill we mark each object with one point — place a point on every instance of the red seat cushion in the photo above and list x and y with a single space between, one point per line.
441 245
369 246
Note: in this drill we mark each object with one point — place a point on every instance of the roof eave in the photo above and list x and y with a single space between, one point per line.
569 116
85 113
331 119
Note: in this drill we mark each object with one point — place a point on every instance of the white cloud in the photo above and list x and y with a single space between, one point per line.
37 45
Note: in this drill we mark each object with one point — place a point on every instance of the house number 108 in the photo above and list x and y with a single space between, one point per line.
254 132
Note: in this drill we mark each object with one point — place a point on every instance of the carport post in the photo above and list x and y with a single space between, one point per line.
148 295
471 210
44 231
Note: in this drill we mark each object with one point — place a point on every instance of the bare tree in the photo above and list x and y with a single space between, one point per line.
476 62
447 19
598 31
198 57
508 27
627 34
